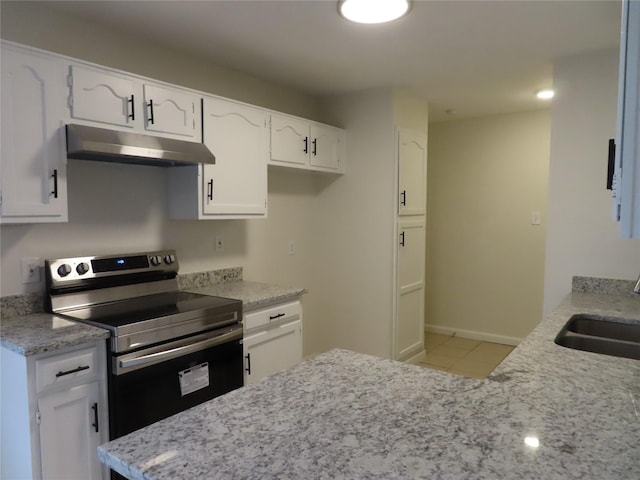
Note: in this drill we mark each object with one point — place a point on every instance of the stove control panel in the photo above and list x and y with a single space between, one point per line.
77 270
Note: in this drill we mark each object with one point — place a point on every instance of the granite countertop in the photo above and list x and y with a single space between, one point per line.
253 294
45 332
344 415
30 333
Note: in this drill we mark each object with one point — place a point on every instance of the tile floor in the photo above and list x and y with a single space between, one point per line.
463 356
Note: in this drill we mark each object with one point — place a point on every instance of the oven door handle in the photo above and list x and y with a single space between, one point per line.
158 357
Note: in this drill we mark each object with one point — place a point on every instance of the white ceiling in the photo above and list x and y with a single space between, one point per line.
474 57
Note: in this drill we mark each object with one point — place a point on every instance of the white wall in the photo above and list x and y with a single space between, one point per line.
485 260
582 239
354 229
354 221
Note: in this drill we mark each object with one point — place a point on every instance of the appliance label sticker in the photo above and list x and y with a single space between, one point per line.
194 378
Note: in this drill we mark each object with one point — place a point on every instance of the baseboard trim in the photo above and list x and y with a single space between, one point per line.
416 358
486 337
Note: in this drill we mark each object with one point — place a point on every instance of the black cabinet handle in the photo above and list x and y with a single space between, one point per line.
273 317
210 189
54 175
403 198
306 144
611 163
150 105
132 115
315 146
402 239
75 370
248 369
95 423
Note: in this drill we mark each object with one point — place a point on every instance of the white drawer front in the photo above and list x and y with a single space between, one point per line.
278 313
65 368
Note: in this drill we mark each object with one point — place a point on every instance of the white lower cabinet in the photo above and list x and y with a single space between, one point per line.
70 432
410 311
54 413
272 341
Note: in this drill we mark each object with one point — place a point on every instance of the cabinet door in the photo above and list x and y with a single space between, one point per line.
172 111
412 172
327 147
105 97
237 136
627 188
410 327
290 141
68 436
33 158
410 314
272 350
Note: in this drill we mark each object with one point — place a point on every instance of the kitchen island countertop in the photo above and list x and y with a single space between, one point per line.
344 415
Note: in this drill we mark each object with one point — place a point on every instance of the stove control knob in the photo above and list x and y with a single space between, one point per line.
156 260
82 268
169 259
64 270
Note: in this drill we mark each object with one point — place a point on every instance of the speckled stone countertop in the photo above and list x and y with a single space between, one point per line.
44 332
253 294
343 415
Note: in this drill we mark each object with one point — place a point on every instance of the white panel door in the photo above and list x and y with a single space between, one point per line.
290 142
106 98
410 329
68 435
411 254
326 148
410 311
412 172
33 157
237 136
172 111
272 350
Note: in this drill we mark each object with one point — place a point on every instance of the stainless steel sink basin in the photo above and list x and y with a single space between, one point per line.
596 334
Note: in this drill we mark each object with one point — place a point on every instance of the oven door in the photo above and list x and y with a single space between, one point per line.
154 383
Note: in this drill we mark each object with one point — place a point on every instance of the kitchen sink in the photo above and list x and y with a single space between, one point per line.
599 335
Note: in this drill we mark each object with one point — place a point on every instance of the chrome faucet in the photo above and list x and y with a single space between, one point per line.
637 287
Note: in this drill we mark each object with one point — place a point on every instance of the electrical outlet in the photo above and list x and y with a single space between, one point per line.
535 218
219 243
292 247
30 270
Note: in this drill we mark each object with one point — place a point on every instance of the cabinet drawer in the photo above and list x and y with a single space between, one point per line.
65 368
278 313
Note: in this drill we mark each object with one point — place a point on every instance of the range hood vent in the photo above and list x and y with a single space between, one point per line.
104 145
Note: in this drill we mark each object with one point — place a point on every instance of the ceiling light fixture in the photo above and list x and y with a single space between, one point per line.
546 94
373 11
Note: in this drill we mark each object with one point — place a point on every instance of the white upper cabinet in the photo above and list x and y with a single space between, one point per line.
236 186
627 177
124 101
327 148
299 143
170 111
289 140
412 172
33 155
104 97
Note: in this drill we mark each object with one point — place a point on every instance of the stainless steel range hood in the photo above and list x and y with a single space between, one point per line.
104 145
